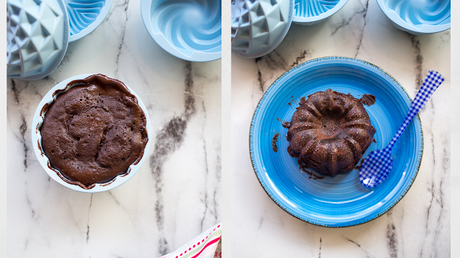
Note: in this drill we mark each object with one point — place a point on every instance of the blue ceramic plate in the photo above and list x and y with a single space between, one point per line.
340 201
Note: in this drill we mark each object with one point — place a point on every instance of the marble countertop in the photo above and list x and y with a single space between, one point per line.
175 195
419 225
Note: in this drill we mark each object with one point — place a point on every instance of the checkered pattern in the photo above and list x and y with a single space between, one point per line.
379 163
432 81
376 167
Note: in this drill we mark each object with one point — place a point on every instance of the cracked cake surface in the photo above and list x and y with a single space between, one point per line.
94 131
329 132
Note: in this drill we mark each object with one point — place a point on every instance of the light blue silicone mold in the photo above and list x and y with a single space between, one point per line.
309 12
418 17
85 16
37 37
187 29
259 26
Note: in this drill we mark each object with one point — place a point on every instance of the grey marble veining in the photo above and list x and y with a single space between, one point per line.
172 198
169 138
419 225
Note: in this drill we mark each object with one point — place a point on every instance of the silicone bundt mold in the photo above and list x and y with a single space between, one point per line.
187 29
37 37
259 26
418 17
85 16
309 12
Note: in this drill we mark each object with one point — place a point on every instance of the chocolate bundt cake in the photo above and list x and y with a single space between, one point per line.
329 132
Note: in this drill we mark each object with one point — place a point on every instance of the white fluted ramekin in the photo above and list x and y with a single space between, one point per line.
54 173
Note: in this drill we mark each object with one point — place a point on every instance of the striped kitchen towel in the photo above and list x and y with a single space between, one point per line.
206 245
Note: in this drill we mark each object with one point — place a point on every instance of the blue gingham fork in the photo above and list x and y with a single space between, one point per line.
379 163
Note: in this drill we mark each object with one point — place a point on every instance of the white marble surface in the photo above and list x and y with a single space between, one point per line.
455 134
419 225
175 195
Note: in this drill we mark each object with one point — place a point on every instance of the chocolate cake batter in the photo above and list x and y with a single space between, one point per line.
94 131
368 99
274 141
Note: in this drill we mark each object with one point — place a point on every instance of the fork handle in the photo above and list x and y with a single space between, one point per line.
430 85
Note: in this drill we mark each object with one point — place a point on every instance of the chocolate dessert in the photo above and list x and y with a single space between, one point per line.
329 132
94 131
368 99
274 142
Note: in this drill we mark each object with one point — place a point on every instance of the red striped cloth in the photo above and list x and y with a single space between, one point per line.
206 245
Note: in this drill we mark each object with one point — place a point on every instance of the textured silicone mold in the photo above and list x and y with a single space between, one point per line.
187 29
85 16
308 12
418 17
259 26
37 37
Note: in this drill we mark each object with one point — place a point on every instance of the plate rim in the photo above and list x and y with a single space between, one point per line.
341 224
